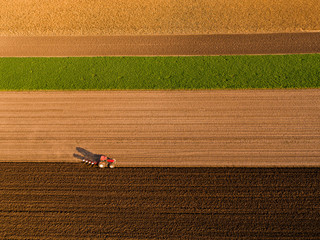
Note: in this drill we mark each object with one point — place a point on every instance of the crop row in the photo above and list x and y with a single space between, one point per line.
203 72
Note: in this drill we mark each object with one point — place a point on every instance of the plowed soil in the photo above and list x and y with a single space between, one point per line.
74 201
164 128
160 45
136 17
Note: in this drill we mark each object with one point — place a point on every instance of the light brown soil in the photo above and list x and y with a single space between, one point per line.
71 201
164 128
136 17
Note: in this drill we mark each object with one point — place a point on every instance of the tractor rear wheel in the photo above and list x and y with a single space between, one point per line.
102 164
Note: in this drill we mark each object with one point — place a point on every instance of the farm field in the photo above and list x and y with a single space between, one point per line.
164 128
74 201
160 45
205 163
148 17
201 72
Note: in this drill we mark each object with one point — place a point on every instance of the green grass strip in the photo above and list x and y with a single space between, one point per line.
203 72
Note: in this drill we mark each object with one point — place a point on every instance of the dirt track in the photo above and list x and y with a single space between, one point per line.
73 201
164 128
221 44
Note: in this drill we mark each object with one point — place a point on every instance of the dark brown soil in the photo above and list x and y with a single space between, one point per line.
74 201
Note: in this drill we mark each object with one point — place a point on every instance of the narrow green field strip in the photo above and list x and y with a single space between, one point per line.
205 72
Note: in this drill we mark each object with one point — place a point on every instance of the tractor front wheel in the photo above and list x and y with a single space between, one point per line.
111 165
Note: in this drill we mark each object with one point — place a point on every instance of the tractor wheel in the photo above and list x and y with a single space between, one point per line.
102 164
111 165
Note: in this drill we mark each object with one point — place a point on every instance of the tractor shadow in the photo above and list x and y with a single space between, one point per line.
84 154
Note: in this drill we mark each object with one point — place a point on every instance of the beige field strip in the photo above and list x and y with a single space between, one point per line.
164 128
156 17
165 45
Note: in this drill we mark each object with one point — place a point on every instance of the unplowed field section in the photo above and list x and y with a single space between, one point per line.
164 128
74 201
167 45
150 17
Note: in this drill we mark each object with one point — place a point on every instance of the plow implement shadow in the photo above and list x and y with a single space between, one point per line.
85 154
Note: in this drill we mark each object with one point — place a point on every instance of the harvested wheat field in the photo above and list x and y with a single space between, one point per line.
164 128
74 201
137 17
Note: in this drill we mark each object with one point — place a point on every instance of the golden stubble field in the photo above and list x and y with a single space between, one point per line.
134 17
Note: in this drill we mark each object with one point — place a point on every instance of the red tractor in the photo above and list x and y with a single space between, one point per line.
99 160
107 162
